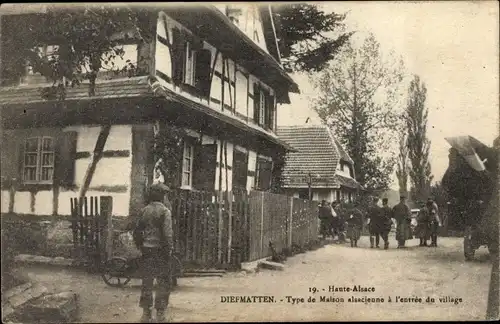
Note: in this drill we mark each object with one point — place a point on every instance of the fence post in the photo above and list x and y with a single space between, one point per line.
290 221
230 225
106 211
261 224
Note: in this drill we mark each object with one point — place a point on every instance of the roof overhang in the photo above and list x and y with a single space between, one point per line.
127 103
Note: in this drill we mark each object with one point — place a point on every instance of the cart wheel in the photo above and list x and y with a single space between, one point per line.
468 247
115 272
176 270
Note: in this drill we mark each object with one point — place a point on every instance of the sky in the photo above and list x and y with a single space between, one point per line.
453 46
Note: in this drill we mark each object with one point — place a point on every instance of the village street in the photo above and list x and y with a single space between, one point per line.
414 272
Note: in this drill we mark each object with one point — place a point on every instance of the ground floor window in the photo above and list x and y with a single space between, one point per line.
38 160
187 165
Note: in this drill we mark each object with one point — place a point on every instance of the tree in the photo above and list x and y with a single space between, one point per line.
88 39
303 43
402 171
417 143
357 96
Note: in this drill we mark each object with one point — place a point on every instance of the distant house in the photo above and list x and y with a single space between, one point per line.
320 163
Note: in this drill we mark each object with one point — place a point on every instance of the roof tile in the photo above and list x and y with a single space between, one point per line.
316 154
137 86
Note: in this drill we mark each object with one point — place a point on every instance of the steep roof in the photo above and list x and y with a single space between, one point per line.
316 153
343 154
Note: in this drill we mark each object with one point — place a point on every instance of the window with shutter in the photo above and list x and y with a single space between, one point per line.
202 71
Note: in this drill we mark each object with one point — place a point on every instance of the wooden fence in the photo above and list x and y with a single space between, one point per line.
91 227
214 229
281 220
211 229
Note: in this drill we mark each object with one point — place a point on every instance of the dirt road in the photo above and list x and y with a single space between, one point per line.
411 273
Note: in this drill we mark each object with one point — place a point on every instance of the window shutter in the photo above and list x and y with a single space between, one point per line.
204 166
267 110
265 173
202 71
20 161
65 153
271 109
178 58
256 102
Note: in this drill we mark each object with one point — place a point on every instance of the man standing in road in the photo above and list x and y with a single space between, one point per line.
153 235
375 223
402 215
387 222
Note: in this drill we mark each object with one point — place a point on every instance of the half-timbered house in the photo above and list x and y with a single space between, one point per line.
204 93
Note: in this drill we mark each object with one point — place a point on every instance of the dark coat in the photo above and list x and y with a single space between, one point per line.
387 216
402 213
377 221
354 224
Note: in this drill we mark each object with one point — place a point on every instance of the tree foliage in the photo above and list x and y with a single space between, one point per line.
418 144
303 43
357 95
87 40
402 171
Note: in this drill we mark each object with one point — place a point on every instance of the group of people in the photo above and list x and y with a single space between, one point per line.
379 221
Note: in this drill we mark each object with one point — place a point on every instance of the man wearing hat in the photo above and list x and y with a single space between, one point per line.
402 214
153 235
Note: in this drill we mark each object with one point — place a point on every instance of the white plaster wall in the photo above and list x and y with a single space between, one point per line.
241 93
120 201
109 171
22 203
252 164
44 202
5 201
